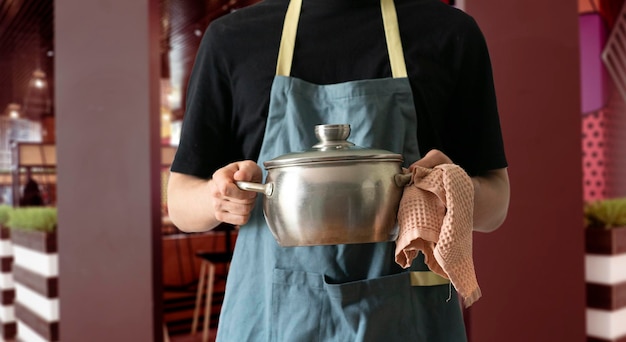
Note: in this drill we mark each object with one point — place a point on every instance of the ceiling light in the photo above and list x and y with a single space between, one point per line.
13 110
39 79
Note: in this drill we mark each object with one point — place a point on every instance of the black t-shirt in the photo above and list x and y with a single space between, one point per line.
338 41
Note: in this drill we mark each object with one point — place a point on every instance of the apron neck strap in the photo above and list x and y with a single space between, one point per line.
392 36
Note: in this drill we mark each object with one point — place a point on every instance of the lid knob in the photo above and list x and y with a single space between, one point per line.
332 136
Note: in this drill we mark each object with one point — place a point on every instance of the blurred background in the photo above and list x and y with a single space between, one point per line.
91 102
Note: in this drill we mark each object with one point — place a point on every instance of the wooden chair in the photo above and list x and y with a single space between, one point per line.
207 279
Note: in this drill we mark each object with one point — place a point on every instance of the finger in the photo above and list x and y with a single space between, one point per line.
432 159
248 171
235 208
232 192
226 173
234 213
224 184
227 217
226 190
238 171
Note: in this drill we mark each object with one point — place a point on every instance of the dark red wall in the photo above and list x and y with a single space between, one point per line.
532 270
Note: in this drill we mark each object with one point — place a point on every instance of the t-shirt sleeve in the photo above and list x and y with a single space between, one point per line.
472 136
204 144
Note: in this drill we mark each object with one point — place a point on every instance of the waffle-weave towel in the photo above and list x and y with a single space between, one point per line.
436 217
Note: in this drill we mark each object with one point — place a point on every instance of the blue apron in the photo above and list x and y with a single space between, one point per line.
353 292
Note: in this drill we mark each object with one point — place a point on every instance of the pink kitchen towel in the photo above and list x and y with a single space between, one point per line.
436 217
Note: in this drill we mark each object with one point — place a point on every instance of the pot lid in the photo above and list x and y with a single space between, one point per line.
333 146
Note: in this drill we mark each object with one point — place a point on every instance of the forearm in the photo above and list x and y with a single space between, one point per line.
189 203
198 204
491 200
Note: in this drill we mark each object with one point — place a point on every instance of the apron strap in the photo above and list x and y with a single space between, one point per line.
427 278
392 36
288 38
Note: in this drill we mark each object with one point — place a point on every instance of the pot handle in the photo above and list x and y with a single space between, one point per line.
403 179
267 189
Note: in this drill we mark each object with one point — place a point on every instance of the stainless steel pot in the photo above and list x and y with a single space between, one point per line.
335 193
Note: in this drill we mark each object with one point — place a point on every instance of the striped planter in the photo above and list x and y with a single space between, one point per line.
35 272
605 265
7 288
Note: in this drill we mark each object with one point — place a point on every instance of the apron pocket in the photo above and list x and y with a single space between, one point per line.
298 303
376 309
390 309
306 308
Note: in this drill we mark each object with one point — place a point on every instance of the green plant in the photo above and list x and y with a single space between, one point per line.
606 214
4 214
33 218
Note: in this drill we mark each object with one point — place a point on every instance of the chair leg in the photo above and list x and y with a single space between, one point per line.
196 310
166 334
209 302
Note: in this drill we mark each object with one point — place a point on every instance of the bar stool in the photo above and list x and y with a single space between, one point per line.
207 278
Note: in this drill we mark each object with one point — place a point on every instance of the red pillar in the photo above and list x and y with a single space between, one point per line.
107 111
532 270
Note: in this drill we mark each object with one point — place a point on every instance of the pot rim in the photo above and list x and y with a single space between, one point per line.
335 159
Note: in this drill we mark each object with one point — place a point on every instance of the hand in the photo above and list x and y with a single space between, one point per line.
491 192
231 204
432 159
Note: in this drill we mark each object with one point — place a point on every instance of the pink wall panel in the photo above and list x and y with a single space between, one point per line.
603 106
593 75
594 156
615 149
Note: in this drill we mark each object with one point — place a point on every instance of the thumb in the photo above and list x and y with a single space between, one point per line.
431 159
249 171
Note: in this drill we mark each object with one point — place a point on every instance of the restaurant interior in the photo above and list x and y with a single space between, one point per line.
91 107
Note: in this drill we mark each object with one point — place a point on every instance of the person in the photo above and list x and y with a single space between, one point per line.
411 76
31 195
